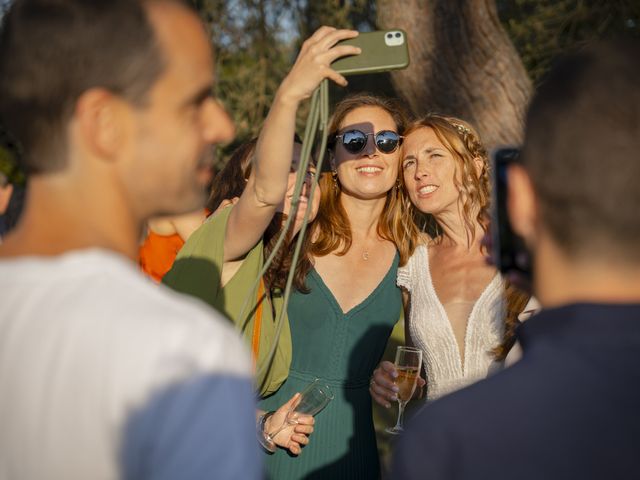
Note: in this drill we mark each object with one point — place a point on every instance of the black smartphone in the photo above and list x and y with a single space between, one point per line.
508 249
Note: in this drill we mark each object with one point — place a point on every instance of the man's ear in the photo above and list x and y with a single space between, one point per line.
521 203
100 117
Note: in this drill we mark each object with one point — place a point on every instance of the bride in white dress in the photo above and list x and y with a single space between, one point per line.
456 306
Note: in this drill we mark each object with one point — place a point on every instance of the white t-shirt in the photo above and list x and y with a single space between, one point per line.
104 374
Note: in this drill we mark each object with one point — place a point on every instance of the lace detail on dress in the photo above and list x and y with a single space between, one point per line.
404 276
431 330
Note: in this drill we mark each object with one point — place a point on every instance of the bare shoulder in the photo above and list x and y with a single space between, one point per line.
162 226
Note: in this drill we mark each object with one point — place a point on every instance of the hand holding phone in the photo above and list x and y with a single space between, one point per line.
382 51
313 62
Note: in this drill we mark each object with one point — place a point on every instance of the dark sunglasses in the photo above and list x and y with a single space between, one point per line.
354 141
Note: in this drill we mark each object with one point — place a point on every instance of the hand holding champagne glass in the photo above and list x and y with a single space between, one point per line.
408 363
312 400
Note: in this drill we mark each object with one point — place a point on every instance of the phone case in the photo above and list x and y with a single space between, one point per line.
510 253
382 51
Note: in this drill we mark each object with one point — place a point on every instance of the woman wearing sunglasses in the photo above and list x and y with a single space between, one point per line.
221 261
457 311
340 328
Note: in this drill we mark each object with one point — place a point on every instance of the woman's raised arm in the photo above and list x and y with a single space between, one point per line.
267 183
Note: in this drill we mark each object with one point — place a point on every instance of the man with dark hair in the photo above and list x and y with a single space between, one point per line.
102 373
569 408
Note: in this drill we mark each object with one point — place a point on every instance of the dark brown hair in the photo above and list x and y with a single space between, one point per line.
230 183
581 151
231 180
52 51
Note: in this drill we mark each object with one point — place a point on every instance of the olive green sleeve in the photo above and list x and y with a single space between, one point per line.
197 269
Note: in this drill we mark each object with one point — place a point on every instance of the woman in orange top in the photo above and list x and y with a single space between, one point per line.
165 237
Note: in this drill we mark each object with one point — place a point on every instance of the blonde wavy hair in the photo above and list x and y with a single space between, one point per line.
331 230
464 143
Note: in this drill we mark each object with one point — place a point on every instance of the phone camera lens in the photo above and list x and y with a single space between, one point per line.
398 35
389 35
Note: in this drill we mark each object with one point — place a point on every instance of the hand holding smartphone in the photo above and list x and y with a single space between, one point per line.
382 51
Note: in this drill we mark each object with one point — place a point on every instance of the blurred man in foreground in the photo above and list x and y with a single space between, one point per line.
569 408
103 374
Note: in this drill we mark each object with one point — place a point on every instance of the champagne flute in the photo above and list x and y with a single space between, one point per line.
313 399
408 363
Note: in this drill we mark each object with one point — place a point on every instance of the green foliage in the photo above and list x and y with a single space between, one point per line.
252 56
544 29
257 42
358 14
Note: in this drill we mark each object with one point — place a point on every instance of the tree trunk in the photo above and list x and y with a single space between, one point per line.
462 64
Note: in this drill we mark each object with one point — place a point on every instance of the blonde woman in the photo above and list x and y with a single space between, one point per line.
457 305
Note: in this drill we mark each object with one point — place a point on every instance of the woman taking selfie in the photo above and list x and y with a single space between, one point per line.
222 260
457 304
340 328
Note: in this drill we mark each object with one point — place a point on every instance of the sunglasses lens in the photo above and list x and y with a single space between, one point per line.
387 141
354 141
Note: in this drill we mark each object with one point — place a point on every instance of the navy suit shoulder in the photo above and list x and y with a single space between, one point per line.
568 409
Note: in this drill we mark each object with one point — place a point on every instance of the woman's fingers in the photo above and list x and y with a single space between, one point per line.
327 37
340 51
329 40
300 439
379 399
384 394
295 449
382 387
291 404
337 78
304 425
297 434
384 376
320 33
314 62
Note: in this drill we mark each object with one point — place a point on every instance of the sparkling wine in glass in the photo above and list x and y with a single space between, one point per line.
313 399
408 363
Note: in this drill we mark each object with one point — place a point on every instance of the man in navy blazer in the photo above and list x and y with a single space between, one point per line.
570 408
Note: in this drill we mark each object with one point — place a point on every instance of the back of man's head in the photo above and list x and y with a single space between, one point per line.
51 51
582 152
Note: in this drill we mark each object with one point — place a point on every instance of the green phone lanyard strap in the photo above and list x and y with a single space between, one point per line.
316 120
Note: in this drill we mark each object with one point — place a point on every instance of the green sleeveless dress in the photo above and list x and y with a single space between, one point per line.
342 349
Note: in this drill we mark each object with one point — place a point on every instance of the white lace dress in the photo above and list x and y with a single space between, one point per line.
431 330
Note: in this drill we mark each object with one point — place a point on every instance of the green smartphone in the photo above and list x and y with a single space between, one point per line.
382 50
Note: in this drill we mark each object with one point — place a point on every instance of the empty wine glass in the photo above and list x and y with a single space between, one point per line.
312 400
408 363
